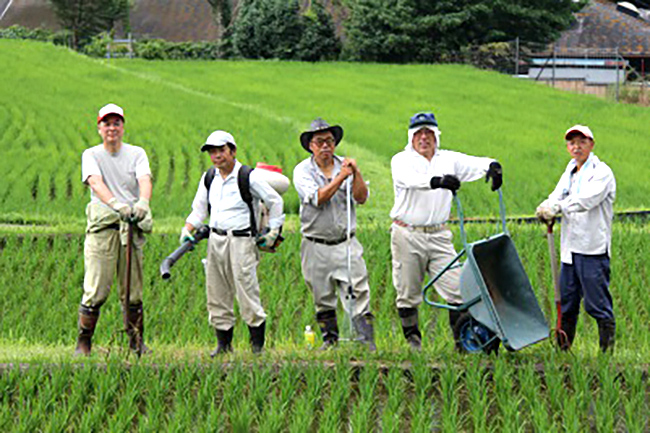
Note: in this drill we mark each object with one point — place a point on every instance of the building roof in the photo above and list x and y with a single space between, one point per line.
603 26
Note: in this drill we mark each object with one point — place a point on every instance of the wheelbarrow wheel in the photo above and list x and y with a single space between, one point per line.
472 337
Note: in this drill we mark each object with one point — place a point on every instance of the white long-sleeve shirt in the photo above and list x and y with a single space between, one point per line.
229 211
415 202
586 198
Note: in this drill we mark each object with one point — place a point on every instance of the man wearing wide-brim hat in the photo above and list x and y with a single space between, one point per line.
584 197
321 181
424 179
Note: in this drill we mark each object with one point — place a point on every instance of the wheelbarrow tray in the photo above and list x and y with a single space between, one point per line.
494 275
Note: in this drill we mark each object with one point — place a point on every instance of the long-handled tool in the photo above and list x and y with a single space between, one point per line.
349 297
127 285
560 336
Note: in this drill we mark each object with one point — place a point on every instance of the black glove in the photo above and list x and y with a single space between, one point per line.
496 173
448 181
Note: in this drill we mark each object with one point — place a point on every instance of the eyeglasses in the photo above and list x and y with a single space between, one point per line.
578 143
320 142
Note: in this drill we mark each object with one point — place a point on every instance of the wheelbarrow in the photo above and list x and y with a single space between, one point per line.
499 305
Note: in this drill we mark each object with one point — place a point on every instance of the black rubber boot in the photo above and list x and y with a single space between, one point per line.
409 317
257 337
453 320
135 330
224 342
88 317
607 334
565 338
366 330
328 328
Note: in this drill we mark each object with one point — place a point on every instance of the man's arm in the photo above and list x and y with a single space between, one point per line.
96 183
146 186
359 187
326 193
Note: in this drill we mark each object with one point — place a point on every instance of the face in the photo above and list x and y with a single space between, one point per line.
322 145
223 157
579 147
424 142
111 129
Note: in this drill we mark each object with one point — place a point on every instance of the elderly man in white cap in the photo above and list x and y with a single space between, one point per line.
584 197
424 178
321 184
233 256
119 178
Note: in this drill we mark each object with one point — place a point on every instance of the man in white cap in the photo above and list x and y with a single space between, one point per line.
119 178
231 269
584 197
321 184
424 178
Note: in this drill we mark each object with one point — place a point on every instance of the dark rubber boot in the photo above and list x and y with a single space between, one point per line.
607 334
88 317
257 337
409 317
135 330
565 339
366 330
328 328
453 320
224 342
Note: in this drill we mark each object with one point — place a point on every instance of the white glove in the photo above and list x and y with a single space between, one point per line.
547 212
140 209
186 235
268 239
122 208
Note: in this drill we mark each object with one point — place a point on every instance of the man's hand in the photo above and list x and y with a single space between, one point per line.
347 169
268 238
122 208
186 235
546 213
140 209
495 172
448 181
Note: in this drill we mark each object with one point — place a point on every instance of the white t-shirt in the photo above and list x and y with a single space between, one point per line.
120 171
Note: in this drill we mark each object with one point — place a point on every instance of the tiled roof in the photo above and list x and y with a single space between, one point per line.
601 26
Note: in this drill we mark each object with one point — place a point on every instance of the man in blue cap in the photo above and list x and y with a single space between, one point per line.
424 178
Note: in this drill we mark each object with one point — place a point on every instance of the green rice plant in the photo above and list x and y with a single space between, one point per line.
507 397
362 414
635 403
478 397
302 415
535 401
335 407
608 396
422 404
393 409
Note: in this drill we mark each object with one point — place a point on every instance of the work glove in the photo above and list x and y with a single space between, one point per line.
122 208
267 238
448 181
547 212
495 172
140 209
186 235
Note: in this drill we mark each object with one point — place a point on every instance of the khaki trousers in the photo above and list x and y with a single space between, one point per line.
325 269
231 271
416 253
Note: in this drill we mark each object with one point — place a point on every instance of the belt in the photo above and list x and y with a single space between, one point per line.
435 228
245 233
328 242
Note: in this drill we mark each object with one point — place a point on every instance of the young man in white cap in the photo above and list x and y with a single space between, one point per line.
584 197
424 178
119 178
231 269
321 184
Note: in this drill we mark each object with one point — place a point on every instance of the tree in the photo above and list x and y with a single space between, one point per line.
87 18
222 13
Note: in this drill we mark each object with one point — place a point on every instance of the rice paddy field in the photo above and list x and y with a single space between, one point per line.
48 103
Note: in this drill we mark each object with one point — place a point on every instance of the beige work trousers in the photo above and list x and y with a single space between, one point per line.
105 256
231 271
416 253
325 269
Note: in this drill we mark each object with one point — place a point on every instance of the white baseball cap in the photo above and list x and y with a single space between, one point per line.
582 129
110 109
218 139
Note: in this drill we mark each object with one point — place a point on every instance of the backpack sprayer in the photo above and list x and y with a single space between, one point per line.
270 174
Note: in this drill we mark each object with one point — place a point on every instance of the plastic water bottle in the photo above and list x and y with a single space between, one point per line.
310 337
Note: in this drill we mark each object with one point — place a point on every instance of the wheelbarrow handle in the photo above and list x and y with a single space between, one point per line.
461 217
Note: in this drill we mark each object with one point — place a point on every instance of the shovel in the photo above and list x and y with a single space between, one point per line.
560 336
